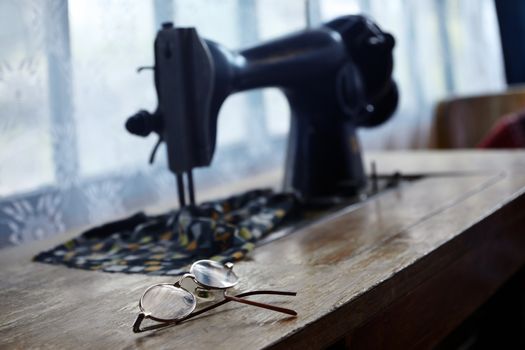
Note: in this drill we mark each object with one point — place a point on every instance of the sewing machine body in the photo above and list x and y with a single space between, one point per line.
336 78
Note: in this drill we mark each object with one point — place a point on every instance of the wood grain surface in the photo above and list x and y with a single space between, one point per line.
398 271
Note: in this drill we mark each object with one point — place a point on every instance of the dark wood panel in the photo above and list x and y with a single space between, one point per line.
489 253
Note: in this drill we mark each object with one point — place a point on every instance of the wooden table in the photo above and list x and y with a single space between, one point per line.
398 271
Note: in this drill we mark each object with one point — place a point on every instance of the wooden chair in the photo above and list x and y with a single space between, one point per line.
463 122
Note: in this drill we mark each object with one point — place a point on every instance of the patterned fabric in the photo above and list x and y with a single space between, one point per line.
224 230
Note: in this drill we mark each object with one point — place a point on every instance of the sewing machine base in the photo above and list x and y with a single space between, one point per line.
318 208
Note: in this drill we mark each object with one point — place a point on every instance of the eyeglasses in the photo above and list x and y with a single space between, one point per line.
171 303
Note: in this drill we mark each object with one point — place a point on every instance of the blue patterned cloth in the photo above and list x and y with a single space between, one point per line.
223 230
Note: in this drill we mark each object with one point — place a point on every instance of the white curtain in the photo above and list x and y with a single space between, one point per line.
68 82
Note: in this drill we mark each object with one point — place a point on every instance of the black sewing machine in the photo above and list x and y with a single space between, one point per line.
336 78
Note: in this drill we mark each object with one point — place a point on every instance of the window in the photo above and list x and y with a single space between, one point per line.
68 82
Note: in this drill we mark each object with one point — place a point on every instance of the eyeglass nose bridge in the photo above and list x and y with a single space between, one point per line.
186 276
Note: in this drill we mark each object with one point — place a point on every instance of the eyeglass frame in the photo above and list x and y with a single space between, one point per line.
226 298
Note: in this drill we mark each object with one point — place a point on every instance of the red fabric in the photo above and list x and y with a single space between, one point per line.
508 132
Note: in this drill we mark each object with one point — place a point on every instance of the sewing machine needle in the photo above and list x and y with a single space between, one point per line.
190 188
180 190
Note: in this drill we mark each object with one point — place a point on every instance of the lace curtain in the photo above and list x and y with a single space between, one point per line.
68 83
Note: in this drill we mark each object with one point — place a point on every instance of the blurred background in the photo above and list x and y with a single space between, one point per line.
68 82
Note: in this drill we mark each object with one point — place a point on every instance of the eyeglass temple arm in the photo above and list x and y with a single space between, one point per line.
262 305
242 295
138 321
227 298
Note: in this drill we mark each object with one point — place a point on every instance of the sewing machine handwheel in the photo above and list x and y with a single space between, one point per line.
381 109
353 101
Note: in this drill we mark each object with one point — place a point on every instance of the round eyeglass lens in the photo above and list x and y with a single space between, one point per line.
166 302
213 274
